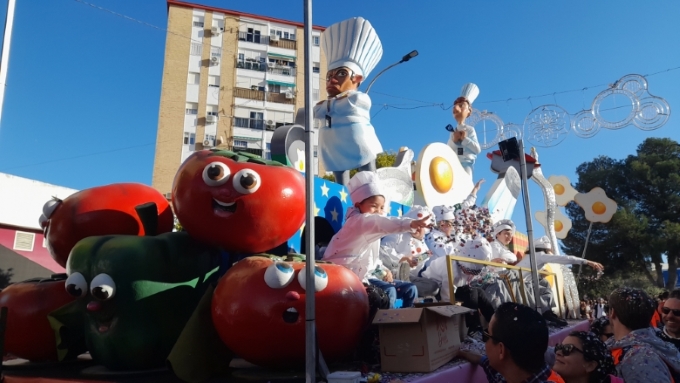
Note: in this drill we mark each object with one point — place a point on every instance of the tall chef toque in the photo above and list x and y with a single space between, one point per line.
352 43
364 185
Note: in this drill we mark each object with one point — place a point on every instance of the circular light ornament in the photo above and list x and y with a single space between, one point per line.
488 124
585 125
613 92
564 193
440 178
596 205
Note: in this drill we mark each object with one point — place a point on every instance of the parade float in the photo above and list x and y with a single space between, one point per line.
239 280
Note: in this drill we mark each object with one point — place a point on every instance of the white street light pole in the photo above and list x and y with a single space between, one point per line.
5 52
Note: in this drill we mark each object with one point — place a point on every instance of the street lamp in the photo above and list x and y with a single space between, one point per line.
404 59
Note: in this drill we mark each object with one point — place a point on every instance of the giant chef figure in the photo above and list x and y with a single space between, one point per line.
347 139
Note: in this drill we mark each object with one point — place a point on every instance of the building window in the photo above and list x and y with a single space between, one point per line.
198 21
292 36
253 36
196 49
316 67
211 110
23 241
192 138
256 120
315 40
194 78
191 108
186 138
274 88
240 144
214 81
316 149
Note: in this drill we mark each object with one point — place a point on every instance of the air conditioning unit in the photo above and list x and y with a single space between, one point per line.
290 95
214 60
270 123
210 119
275 38
207 143
271 65
215 31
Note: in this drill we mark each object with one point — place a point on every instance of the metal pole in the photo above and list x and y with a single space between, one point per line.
584 250
9 21
530 229
310 309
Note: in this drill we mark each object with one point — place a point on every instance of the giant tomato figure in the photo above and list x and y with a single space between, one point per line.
238 202
29 334
258 309
102 210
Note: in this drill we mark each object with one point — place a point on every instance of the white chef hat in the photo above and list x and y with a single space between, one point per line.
364 185
477 248
470 91
444 213
418 212
352 43
503 224
543 243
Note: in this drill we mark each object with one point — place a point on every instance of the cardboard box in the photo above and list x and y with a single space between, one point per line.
419 339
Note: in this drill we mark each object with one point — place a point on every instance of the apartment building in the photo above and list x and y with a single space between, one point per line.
229 80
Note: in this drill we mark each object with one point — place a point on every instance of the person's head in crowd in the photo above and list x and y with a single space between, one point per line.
602 328
670 313
663 295
418 212
503 231
366 193
445 216
543 244
516 340
582 356
630 309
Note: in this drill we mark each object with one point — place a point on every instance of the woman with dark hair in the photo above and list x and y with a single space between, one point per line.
602 328
583 358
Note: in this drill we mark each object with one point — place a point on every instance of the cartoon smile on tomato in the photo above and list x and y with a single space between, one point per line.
258 309
137 293
102 210
238 201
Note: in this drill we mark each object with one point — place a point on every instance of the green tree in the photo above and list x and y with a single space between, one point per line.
646 226
5 277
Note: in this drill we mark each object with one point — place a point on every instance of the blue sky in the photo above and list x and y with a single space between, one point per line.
81 103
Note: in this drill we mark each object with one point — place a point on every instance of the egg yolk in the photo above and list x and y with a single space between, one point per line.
559 226
559 189
441 175
599 208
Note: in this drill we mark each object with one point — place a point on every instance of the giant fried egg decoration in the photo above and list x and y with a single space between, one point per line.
440 178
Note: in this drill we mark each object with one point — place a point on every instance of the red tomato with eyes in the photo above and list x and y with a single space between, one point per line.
29 334
102 210
258 309
241 205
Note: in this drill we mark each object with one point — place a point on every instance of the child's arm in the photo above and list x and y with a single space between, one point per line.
374 226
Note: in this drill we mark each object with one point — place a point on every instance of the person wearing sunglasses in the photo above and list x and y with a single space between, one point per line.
347 140
583 358
515 346
639 355
463 138
670 315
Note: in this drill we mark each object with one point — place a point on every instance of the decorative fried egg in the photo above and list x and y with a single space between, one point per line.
440 178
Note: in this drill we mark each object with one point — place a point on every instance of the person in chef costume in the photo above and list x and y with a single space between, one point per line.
463 139
347 140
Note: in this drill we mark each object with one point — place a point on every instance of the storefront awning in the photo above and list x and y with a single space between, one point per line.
281 83
247 138
278 56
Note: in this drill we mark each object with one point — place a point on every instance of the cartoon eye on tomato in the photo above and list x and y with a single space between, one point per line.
137 293
258 309
238 201
102 210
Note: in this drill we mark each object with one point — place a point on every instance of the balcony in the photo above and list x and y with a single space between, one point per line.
253 94
252 123
252 65
253 38
283 43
